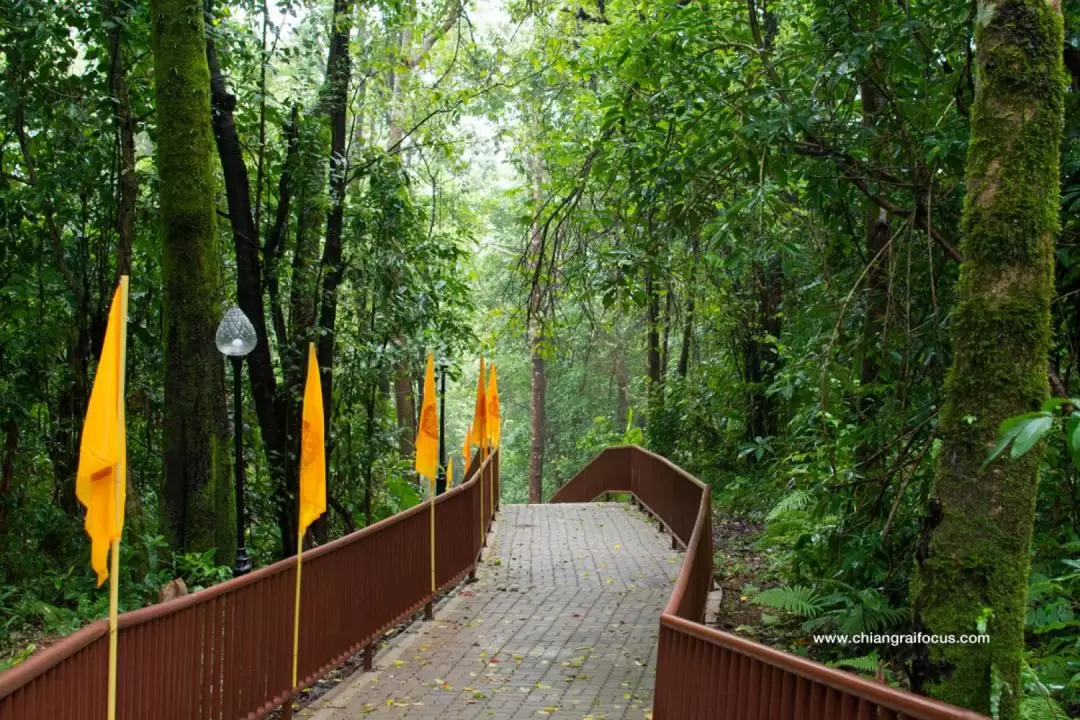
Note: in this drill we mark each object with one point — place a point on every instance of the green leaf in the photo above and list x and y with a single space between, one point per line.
1054 403
1032 432
1007 432
1072 436
796 599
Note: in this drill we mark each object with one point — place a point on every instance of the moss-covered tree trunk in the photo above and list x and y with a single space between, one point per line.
198 499
974 555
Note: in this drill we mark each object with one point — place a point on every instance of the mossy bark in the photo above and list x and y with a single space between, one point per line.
974 554
198 498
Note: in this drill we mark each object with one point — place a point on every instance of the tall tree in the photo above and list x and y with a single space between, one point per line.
538 376
410 56
974 556
197 495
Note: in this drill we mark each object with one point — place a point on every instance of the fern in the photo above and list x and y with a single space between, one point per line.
864 663
796 599
790 503
1041 708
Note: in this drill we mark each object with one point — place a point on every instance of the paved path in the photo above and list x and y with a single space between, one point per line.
561 623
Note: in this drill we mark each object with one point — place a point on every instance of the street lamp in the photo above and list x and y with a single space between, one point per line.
440 481
235 339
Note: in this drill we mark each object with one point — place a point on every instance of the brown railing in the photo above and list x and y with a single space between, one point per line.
702 673
226 652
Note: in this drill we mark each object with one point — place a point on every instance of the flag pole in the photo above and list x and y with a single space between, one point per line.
296 612
483 458
431 484
120 478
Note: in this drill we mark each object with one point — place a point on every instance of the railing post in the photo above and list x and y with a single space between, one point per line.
429 610
369 657
484 474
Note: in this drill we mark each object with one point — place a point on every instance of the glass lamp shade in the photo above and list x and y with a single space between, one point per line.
236 335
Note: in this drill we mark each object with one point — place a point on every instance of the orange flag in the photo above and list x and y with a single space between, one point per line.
101 480
427 434
494 422
479 423
312 448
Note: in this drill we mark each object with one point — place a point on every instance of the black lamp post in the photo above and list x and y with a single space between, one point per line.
235 339
440 480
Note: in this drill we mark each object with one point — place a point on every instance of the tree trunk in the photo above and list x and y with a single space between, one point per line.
198 498
269 404
973 558
877 227
125 129
538 378
11 446
759 353
652 329
687 338
338 72
622 386
688 321
539 417
405 403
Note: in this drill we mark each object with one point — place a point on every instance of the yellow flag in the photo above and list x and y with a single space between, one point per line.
466 447
312 448
450 473
494 426
427 434
103 449
479 423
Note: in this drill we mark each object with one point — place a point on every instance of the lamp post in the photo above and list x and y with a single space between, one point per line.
235 339
440 481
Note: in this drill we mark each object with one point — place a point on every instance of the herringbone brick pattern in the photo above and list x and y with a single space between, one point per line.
561 623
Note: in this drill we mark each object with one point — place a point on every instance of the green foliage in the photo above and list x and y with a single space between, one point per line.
800 600
867 664
845 610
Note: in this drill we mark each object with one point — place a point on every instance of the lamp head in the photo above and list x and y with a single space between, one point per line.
236 335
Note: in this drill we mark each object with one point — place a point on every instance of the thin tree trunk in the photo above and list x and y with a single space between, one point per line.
877 226
760 358
128 183
539 419
405 405
687 338
622 386
11 446
652 333
269 406
198 496
973 558
665 344
688 321
538 378
338 72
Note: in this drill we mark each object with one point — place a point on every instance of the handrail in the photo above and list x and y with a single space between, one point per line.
225 652
703 673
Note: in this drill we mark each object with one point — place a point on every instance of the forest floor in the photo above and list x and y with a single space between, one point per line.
737 563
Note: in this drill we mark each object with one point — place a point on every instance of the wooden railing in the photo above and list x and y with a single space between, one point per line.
226 652
705 674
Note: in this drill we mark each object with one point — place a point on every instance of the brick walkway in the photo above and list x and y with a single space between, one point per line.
561 623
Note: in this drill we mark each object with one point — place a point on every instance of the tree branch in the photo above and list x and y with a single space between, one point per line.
452 14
